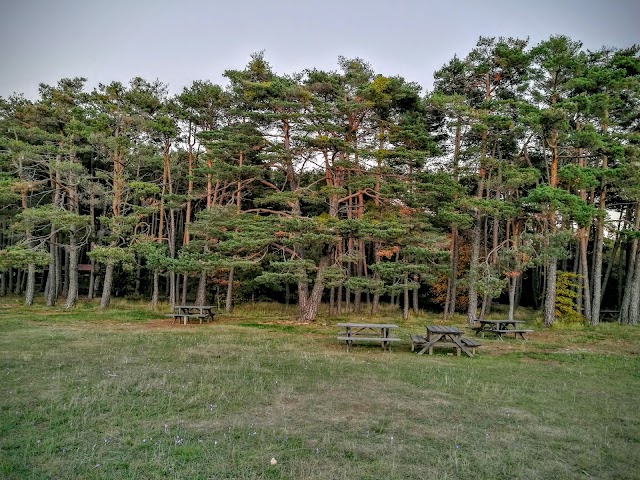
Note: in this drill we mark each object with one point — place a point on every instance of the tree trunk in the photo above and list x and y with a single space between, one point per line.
185 286
92 279
472 306
310 310
586 293
201 294
72 274
52 283
405 305
452 281
550 293
67 269
156 289
513 281
229 303
634 303
31 284
332 301
106 288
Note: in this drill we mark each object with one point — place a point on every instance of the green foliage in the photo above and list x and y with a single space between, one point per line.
20 256
545 198
566 310
113 256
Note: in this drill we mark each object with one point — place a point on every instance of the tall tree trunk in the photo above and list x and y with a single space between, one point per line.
634 302
229 303
201 294
472 306
550 293
586 293
31 284
72 274
452 282
52 283
185 286
332 301
512 281
155 293
92 279
405 305
106 289
311 307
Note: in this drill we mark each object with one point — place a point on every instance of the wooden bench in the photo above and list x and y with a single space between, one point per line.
472 344
355 338
181 316
416 341
515 332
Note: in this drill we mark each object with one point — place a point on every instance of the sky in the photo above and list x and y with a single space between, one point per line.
179 41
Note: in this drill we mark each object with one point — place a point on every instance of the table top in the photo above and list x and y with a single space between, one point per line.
501 321
367 325
193 306
443 329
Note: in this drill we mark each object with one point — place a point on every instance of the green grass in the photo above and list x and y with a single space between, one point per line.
123 393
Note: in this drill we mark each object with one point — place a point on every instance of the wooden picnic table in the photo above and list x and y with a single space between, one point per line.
501 327
185 312
448 337
367 332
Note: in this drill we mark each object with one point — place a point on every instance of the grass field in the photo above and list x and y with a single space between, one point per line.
123 393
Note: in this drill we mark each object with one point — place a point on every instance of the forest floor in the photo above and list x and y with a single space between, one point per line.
124 393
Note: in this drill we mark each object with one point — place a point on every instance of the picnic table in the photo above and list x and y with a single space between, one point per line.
367 332
185 312
501 327
444 337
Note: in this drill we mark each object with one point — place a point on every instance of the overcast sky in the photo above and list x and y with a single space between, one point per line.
178 41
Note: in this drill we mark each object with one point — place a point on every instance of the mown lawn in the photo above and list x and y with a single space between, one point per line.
125 394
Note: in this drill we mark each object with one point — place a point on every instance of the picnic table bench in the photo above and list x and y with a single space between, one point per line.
443 337
185 312
500 328
367 332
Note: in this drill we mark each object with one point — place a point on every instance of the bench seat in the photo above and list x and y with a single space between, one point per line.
180 316
369 339
355 338
516 332
472 344
417 340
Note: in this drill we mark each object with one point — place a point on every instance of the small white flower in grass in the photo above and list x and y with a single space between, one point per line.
273 461
37 442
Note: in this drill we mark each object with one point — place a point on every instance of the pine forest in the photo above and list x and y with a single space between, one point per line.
514 181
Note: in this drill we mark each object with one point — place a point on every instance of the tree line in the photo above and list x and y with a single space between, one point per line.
515 180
